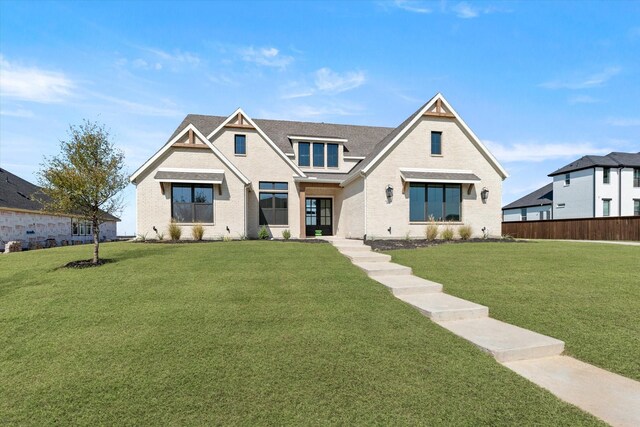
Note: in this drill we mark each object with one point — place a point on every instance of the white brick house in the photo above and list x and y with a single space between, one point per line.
235 174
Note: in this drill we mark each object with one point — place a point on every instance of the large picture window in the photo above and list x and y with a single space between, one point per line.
192 203
434 201
274 203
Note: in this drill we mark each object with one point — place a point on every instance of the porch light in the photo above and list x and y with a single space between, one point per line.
389 192
484 194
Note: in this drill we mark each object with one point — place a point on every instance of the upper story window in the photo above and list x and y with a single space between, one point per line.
523 214
192 203
606 172
240 145
318 155
436 143
567 179
304 154
636 177
332 155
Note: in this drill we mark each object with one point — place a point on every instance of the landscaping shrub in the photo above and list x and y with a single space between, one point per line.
227 238
431 232
174 231
447 233
465 232
286 234
197 231
263 234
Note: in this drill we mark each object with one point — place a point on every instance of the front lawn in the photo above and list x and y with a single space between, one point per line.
237 333
586 294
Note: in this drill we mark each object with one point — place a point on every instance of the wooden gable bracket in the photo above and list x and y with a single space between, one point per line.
240 123
439 111
191 137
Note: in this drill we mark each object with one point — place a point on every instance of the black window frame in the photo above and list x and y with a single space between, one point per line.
337 155
307 155
523 214
636 207
606 175
607 203
274 189
193 204
439 142
324 150
567 179
444 201
636 177
235 144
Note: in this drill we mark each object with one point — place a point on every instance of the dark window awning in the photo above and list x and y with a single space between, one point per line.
203 176
447 176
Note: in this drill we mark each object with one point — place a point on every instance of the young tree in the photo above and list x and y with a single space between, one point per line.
86 178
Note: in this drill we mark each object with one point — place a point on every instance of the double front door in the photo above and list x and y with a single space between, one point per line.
318 216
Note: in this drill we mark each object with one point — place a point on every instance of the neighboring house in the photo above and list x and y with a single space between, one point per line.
532 207
234 174
598 186
22 218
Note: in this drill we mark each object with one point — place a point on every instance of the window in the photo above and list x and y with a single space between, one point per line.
567 179
636 207
606 207
560 205
636 177
434 201
304 155
240 145
81 227
332 155
606 175
523 214
318 155
436 143
192 203
274 203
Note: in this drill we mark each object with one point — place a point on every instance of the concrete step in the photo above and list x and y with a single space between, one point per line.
366 256
503 341
610 397
443 307
408 285
382 268
353 248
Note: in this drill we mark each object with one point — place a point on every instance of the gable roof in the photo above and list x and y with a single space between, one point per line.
17 193
389 141
613 159
540 197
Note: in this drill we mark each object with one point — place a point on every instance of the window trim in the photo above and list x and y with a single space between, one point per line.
431 146
272 191
607 203
426 185
235 144
192 186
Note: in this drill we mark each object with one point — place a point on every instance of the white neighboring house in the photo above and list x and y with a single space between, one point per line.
598 186
235 174
534 206
22 218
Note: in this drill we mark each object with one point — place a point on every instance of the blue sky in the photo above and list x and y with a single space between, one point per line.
540 83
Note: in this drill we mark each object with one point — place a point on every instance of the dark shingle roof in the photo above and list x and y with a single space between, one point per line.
360 139
17 193
542 196
447 176
614 159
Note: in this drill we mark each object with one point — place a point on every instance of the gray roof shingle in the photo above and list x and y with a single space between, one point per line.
444 176
542 196
614 159
17 193
190 176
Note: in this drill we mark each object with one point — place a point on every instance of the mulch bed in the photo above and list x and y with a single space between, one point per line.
391 244
86 263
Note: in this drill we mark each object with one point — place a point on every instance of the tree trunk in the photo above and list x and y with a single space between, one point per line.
96 240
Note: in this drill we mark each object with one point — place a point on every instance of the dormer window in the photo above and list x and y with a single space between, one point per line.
304 154
318 155
318 152
332 155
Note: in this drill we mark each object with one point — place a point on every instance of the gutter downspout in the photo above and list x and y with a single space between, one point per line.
595 193
620 191
364 178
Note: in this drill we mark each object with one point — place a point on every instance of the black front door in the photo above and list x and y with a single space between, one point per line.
318 216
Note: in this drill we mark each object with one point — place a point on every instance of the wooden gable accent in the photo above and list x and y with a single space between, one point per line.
240 122
439 110
190 142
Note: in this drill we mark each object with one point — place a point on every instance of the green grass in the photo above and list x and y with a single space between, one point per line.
237 333
585 294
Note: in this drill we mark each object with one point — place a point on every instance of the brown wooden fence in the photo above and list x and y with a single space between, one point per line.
611 228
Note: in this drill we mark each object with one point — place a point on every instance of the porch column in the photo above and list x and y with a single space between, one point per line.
303 229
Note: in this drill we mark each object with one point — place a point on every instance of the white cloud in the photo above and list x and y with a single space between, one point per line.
539 152
329 81
176 57
582 99
465 10
412 6
591 81
623 122
33 84
140 108
20 112
267 56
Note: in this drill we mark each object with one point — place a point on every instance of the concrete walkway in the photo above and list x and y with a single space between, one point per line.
610 397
